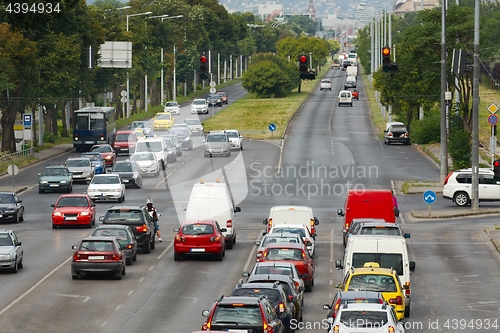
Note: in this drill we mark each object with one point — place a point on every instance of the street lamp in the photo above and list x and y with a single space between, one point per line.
166 17
128 78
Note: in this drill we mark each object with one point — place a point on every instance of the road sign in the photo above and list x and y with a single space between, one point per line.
27 120
12 169
212 84
213 90
272 127
123 93
429 197
123 99
493 108
492 119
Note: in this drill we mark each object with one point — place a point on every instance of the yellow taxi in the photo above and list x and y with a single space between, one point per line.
163 120
373 278
139 133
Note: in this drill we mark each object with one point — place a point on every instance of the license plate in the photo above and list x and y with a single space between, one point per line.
237 331
125 180
199 250
96 257
54 185
70 218
89 142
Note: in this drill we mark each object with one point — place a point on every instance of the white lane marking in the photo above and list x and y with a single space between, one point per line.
166 250
251 256
331 246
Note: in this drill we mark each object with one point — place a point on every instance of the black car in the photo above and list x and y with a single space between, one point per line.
245 314
184 136
129 172
276 294
138 218
11 207
125 237
397 134
214 100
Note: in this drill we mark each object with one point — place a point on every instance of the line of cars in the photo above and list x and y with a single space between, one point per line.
201 105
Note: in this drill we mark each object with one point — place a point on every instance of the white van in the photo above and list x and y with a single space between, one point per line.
292 215
213 201
154 145
345 97
351 71
387 251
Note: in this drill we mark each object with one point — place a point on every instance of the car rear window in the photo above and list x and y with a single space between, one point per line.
240 314
97 246
298 231
373 282
279 239
380 231
5 240
272 294
284 254
118 234
123 215
363 319
198 229
385 260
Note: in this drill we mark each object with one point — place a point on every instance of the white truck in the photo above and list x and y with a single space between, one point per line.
352 70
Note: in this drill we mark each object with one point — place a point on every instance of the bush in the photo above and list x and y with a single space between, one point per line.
428 129
49 137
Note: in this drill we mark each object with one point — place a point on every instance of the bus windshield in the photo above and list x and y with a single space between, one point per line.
90 121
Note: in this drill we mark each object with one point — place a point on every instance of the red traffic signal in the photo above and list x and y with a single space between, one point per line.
303 59
303 67
203 67
203 59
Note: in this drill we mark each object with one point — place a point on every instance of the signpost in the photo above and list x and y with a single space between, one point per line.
13 170
493 121
272 128
212 91
429 197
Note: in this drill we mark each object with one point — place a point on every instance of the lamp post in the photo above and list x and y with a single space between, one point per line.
174 74
128 78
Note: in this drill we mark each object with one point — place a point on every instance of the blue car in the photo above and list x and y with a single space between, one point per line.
97 161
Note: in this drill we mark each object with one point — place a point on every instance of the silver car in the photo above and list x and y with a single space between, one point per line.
199 106
217 143
235 138
176 142
11 253
148 162
81 168
195 126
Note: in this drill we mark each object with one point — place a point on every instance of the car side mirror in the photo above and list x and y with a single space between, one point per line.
184 208
176 229
264 221
223 230
338 285
18 244
39 174
340 212
256 243
205 313
245 274
53 205
338 264
73 247
101 218
237 210
412 266
406 235
326 307
316 221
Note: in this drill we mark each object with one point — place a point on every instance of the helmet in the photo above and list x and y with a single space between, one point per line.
149 201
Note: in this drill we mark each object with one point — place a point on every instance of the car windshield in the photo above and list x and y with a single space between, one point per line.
398 128
138 124
363 319
72 202
198 229
117 233
124 137
79 163
142 157
123 215
243 315
232 134
104 246
380 231
297 231
216 138
192 122
372 282
102 149
179 131
93 157
169 104
123 167
284 254
199 102
154 146
272 294
163 116
278 239
5 240
55 172
7 198
105 180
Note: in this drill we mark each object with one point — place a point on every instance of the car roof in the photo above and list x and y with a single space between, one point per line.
56 166
270 277
98 238
106 175
298 246
125 207
240 300
258 285
364 307
189 222
275 263
7 192
360 294
112 226
73 195
281 234
372 270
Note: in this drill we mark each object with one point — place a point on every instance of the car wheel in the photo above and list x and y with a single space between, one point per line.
461 199
219 256
128 261
118 276
229 244
308 286
21 264
89 225
177 256
21 218
120 199
224 252
54 226
147 247
16 218
407 311
40 190
134 257
153 243
74 276
14 269
163 165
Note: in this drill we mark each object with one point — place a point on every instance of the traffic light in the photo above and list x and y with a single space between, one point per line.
203 67
311 75
386 59
496 170
303 67
465 61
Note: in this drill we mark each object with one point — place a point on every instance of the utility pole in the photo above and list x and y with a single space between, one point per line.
475 114
444 136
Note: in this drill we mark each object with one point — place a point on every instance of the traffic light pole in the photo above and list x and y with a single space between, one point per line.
475 114
444 137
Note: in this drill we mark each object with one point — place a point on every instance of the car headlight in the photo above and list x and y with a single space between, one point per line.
85 213
63 181
117 190
5 257
10 211
43 182
91 190
57 214
109 157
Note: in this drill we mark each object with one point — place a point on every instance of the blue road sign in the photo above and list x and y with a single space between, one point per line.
272 127
27 120
429 197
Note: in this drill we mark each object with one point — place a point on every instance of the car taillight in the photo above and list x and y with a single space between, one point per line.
180 238
407 291
269 224
297 286
76 257
215 239
142 228
447 177
336 307
116 257
229 223
336 328
281 307
128 246
303 254
205 326
267 328
391 329
398 300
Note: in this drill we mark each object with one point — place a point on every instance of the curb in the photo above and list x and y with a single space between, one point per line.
495 242
425 215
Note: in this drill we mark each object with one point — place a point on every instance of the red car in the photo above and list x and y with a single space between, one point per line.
73 210
293 253
124 142
199 237
107 153
355 94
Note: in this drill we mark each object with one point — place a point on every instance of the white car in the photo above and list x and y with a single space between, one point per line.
11 253
235 138
300 229
325 84
106 187
345 97
172 107
458 186
199 105
148 162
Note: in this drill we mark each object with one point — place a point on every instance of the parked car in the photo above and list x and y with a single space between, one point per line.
97 161
130 173
81 168
55 177
172 107
98 255
458 186
199 105
11 207
184 136
397 134
195 126
106 187
125 237
73 210
11 253
199 238
107 152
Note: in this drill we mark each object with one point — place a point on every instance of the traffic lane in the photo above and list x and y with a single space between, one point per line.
455 263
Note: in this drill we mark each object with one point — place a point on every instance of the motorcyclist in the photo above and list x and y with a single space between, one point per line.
154 216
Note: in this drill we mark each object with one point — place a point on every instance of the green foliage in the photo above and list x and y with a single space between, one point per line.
270 76
428 129
459 145
49 137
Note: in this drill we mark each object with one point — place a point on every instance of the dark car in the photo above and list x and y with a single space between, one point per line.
55 178
177 143
214 99
275 293
184 136
11 207
97 161
98 255
397 134
138 218
170 149
125 237
223 97
245 314
129 172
